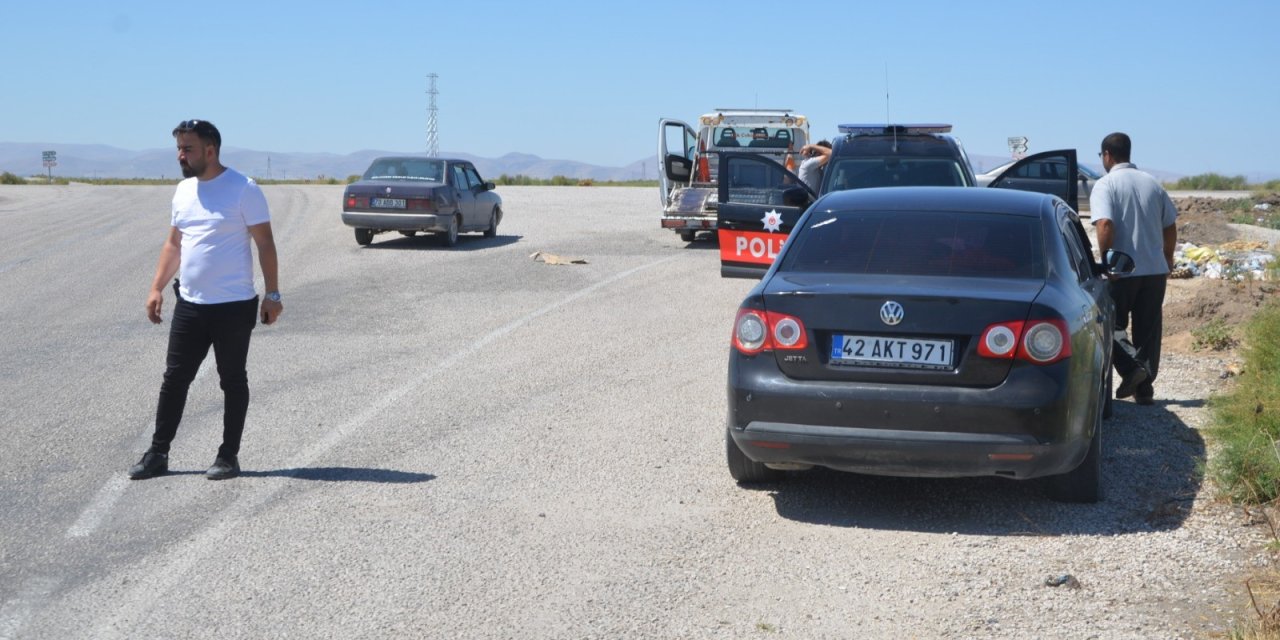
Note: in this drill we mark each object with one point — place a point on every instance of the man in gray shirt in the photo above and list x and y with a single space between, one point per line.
1133 214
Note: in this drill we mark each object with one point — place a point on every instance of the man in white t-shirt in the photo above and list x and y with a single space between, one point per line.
1133 214
216 212
816 156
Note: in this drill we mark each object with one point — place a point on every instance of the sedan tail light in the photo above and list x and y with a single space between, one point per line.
1036 341
356 202
755 331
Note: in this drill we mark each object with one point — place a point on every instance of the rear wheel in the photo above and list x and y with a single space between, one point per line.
1084 483
688 236
364 236
744 469
494 218
450 238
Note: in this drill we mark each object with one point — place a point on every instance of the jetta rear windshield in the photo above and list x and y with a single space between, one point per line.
406 169
934 243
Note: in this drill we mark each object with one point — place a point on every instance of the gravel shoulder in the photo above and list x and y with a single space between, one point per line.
469 444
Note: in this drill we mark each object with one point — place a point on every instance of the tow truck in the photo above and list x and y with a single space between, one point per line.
759 202
689 159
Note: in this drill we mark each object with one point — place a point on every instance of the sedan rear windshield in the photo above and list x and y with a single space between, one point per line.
934 243
406 169
860 173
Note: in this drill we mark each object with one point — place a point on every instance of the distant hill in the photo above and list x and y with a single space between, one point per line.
99 161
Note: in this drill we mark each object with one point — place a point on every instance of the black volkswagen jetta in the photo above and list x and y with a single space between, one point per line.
927 331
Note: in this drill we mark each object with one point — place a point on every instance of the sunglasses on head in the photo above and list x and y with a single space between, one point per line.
192 125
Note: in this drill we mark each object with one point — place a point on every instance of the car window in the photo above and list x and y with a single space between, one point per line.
860 173
406 169
1081 258
473 177
756 181
460 178
946 244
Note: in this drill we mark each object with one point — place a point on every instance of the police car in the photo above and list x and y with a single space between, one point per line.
760 200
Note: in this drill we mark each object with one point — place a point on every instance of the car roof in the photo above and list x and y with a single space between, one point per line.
422 157
923 144
962 199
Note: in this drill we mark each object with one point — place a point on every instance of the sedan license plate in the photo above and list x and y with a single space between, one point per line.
891 352
389 203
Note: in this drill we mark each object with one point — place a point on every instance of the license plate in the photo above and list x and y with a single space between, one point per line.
892 352
389 203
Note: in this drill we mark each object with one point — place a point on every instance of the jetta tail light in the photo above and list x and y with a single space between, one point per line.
755 331
356 202
1036 341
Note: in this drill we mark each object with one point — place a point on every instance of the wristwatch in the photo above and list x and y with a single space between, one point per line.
273 296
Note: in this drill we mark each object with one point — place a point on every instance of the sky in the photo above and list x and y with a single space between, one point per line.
1195 84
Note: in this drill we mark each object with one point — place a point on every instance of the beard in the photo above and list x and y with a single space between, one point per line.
189 171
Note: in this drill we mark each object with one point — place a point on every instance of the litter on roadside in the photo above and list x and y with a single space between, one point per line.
1231 261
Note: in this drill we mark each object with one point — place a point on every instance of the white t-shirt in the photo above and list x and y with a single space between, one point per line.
810 172
214 217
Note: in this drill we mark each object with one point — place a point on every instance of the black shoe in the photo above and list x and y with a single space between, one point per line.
223 468
151 465
1129 384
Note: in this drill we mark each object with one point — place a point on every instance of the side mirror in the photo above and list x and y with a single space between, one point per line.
795 196
489 186
1118 262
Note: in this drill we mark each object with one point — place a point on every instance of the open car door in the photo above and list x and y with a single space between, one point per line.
1053 172
677 144
759 203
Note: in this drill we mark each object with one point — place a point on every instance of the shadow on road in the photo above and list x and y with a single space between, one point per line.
1150 469
344 474
420 242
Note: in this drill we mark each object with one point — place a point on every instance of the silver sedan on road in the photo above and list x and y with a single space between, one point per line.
1044 176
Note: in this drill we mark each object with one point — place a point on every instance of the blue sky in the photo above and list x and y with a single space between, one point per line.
1197 85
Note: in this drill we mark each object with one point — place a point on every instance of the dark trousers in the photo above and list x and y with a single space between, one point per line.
1139 302
226 327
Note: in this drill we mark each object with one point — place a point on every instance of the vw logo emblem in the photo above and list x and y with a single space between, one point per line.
388 190
891 313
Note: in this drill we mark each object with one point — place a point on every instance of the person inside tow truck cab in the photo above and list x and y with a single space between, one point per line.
815 161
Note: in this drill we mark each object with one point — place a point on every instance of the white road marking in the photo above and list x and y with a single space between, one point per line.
15 613
148 589
110 493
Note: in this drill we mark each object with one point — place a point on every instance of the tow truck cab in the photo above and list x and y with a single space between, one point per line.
689 158
760 201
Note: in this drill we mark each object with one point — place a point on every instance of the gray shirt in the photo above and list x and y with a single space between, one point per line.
1139 210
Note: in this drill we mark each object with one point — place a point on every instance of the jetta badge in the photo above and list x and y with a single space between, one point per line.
891 313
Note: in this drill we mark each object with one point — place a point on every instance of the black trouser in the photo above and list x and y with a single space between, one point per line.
195 327
1140 298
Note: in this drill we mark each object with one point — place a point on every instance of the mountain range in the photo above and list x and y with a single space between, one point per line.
101 161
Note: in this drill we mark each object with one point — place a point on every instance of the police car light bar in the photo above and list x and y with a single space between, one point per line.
904 129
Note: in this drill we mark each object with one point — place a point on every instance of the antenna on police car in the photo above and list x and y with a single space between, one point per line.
887 121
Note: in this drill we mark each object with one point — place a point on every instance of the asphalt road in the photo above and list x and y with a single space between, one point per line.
464 442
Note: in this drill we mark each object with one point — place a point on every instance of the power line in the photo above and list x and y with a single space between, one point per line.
433 127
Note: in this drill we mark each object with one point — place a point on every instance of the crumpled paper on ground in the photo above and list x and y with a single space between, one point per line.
551 258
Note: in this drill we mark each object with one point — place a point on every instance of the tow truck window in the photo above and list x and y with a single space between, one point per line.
757 137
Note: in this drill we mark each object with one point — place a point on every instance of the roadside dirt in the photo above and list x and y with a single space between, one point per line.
1194 302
